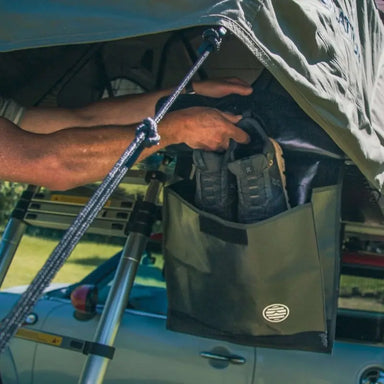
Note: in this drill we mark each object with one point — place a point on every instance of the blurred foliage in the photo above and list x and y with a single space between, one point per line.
9 195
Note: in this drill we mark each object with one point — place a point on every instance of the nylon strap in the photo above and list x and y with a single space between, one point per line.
146 135
65 342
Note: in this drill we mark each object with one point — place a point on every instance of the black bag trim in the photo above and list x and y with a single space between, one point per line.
303 341
222 232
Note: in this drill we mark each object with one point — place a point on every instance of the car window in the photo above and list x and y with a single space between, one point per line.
361 294
122 86
362 276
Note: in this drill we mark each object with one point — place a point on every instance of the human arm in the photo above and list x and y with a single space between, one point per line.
61 148
122 110
75 156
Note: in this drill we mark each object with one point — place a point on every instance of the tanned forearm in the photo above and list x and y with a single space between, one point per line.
63 159
123 110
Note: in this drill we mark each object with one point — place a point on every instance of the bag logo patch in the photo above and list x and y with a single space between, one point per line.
276 313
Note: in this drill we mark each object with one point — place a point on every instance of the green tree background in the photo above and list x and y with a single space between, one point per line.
9 195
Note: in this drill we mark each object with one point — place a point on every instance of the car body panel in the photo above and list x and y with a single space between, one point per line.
344 366
145 353
21 352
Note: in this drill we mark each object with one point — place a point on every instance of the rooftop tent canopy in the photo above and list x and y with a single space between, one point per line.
328 55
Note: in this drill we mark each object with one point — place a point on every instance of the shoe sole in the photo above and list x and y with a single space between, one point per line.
281 165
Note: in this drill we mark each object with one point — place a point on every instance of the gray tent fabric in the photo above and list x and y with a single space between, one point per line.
328 55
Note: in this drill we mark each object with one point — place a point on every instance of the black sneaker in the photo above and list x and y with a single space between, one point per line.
215 186
259 171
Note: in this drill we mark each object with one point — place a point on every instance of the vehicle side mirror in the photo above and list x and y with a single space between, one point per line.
84 300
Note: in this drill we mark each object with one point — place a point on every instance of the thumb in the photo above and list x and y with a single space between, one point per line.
238 134
232 118
239 86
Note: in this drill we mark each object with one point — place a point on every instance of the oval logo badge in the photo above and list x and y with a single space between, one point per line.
276 313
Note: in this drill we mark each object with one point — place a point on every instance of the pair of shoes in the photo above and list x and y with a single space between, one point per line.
245 184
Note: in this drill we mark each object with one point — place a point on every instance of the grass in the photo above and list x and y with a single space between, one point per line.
362 293
33 252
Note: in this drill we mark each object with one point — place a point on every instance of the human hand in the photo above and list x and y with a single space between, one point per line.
201 128
222 87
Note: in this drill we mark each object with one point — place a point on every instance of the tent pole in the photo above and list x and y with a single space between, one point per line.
9 243
117 301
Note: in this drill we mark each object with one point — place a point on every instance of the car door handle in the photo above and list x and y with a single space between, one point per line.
233 359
